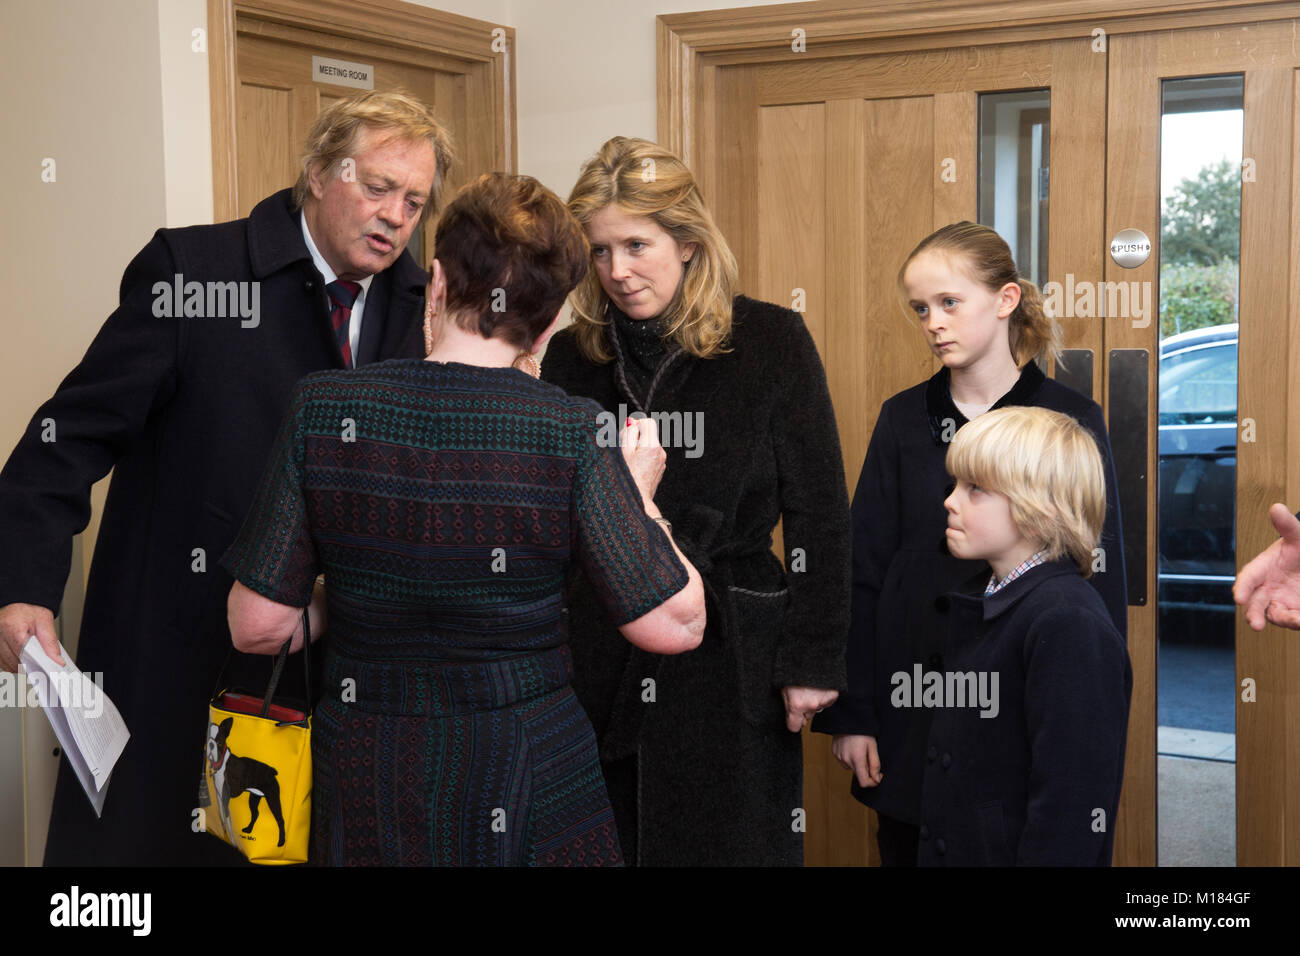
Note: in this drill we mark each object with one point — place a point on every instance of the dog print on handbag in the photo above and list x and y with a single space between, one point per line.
233 776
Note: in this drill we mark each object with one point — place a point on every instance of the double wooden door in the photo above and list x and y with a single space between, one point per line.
826 164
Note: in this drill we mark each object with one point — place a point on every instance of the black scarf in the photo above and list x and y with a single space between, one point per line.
641 353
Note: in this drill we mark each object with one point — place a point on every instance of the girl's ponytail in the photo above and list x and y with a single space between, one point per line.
1034 334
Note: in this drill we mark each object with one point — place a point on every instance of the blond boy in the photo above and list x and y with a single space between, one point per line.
1033 777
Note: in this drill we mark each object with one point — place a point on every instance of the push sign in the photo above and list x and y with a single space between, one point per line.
1130 248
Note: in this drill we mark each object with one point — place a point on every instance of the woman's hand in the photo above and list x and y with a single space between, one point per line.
858 753
801 703
259 625
645 457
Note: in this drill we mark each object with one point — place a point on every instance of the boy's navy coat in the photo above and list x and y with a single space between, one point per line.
184 410
1038 784
901 567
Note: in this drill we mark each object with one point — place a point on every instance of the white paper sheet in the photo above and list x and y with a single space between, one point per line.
88 725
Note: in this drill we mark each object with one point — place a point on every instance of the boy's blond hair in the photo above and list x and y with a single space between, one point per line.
1048 467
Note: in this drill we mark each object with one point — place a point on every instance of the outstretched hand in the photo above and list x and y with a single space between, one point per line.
1269 586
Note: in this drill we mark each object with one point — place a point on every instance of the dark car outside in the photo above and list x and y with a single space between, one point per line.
1197 489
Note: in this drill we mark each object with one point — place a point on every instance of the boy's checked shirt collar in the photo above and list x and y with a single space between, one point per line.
1032 561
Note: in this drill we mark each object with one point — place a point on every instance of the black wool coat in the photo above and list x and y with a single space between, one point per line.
184 410
1037 782
700 766
901 567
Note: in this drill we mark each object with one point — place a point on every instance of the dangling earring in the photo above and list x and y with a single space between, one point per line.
428 329
525 362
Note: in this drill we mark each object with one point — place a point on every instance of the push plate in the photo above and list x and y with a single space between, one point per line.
1074 368
1128 378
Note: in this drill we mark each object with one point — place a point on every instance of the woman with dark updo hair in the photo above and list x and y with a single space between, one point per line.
444 500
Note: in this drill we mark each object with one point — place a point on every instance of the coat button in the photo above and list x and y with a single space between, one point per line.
931 754
925 832
945 761
941 604
940 846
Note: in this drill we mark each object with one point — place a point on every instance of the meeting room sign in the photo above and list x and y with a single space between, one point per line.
325 69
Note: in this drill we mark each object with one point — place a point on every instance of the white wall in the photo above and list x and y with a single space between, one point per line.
85 92
586 73
187 121
495 11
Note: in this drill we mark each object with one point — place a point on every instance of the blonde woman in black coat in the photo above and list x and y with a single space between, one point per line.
702 752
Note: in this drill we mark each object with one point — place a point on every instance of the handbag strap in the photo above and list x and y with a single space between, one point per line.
284 656
281 657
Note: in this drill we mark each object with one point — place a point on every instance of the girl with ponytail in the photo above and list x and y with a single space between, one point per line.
989 329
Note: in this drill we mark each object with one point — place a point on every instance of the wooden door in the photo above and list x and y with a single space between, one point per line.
1268 445
829 140
833 171
265 102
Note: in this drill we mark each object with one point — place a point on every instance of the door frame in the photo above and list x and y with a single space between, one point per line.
440 34
691 46
694 47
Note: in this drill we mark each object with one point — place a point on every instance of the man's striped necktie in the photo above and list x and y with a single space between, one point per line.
342 294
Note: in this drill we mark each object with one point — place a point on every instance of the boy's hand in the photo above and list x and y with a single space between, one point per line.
857 752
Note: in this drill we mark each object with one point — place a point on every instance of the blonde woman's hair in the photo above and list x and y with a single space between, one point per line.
333 137
986 258
1050 470
642 178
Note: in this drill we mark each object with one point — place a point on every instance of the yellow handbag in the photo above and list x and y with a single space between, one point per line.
256 788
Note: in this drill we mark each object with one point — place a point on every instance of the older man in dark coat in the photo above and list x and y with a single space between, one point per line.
181 394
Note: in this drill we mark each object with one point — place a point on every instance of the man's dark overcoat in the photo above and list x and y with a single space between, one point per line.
184 410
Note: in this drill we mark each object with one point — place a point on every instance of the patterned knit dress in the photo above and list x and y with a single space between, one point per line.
444 504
